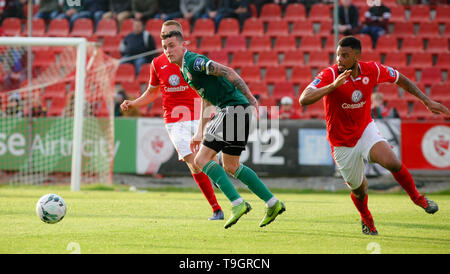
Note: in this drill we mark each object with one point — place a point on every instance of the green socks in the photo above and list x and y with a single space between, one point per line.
249 177
220 177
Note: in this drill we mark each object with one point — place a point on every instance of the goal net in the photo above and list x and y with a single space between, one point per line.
54 130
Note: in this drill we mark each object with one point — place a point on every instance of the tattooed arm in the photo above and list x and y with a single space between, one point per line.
230 74
410 87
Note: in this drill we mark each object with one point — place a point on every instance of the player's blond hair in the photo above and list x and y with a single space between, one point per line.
173 23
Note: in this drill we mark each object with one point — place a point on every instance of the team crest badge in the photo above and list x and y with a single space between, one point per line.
365 80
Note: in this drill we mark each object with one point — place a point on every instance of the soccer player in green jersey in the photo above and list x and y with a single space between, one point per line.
227 131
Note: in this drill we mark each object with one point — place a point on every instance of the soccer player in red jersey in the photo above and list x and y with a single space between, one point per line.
346 89
180 115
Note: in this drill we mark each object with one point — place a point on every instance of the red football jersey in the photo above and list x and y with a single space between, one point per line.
347 109
179 101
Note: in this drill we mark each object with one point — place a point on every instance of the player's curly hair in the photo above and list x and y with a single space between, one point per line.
350 41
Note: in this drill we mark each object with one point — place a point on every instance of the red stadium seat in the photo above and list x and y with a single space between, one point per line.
253 27
387 43
43 58
125 73
251 74
275 74
310 43
12 26
401 106
38 28
58 28
397 14
185 25
281 89
153 26
144 74
420 112
389 91
228 27
82 27
127 27
301 75
267 59
440 91
302 28
111 45
270 12
235 43
242 59
325 30
428 30
133 89
431 75
419 14
210 43
366 41
412 44
421 60
409 72
320 13
443 61
277 28
260 44
315 110
437 45
442 13
203 27
219 56
285 43
259 88
395 59
370 56
295 12
156 110
318 59
403 29
293 59
106 27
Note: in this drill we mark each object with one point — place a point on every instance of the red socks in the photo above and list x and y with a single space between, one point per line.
404 178
366 216
204 183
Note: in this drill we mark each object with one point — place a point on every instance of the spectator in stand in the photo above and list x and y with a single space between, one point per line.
376 22
192 9
144 9
37 110
348 16
283 3
72 10
119 10
239 9
378 110
137 42
215 10
48 9
92 9
169 9
12 8
14 109
96 9
286 109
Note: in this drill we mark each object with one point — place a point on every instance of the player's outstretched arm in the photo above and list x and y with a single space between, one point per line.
311 95
410 87
231 75
146 98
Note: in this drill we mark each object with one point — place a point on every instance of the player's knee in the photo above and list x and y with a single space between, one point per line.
230 168
393 165
199 162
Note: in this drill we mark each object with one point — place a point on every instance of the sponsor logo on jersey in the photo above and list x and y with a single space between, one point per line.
315 82
199 64
356 96
353 106
163 67
391 71
174 80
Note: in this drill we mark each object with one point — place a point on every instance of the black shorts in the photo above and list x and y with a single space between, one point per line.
228 130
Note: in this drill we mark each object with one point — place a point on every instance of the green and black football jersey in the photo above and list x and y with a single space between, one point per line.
217 90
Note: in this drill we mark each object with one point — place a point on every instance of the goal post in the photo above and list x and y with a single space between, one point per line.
93 71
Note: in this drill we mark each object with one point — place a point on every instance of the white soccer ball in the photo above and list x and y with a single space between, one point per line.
51 208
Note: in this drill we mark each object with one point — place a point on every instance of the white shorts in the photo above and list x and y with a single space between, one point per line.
181 133
350 160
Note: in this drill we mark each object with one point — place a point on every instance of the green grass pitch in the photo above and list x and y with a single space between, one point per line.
175 222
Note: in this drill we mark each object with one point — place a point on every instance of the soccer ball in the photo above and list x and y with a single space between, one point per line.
51 208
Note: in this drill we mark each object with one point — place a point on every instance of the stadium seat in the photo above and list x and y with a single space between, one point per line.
219 56
82 27
443 61
58 28
277 28
144 74
285 43
302 28
403 29
111 45
325 30
397 14
371 56
106 27
318 59
420 112
267 59
156 110
228 27
442 13
310 43
133 89
153 26
409 72
185 25
43 58
203 27
259 88
267 102
293 59
253 27
251 74
401 106
440 91
295 12
301 75
395 59
270 12
421 60
315 110
320 13
412 44
242 58
260 44
366 42
12 26
419 14
437 45
428 30
127 27
235 43
431 75
387 43
125 73
389 91
38 28
281 89
275 74
210 43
